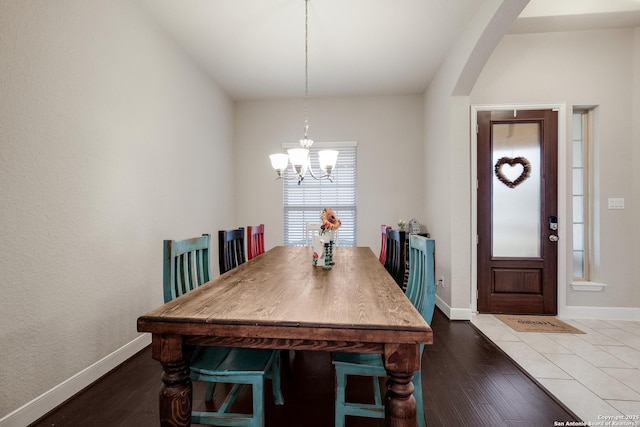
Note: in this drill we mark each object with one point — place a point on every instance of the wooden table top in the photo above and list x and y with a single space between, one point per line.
280 294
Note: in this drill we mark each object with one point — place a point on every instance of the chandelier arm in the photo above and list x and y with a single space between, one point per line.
310 169
313 175
324 176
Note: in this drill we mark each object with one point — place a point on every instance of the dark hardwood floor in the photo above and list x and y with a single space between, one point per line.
467 381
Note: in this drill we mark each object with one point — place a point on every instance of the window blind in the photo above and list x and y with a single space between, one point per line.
304 203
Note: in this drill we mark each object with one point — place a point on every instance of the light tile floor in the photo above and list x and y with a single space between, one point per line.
595 374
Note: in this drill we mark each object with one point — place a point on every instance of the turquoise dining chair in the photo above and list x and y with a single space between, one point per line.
421 289
186 266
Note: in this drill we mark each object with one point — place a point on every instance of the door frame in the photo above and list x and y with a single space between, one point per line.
563 220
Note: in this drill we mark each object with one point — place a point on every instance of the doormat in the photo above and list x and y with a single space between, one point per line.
538 324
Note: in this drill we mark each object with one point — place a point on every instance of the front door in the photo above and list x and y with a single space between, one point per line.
517 211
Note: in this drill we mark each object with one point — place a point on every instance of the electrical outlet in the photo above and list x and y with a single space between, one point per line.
441 281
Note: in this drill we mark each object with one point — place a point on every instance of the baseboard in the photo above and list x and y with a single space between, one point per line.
600 313
453 313
567 312
49 400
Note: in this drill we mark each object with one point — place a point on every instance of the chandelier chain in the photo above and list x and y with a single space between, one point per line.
306 68
300 158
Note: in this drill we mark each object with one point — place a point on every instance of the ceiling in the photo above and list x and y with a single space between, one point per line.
254 49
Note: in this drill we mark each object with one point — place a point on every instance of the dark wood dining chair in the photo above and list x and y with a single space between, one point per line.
186 266
383 244
395 259
231 249
421 293
255 241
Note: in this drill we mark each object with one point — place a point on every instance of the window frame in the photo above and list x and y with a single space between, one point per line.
296 215
585 139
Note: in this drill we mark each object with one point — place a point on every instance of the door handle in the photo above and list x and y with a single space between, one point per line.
553 238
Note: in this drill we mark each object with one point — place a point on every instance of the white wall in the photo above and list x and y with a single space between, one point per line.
389 132
584 68
447 199
111 141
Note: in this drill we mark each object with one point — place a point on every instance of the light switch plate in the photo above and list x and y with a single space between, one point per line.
616 203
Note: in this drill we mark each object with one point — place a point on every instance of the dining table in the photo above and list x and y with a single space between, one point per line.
280 300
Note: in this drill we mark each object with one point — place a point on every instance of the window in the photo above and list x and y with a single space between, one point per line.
303 203
582 249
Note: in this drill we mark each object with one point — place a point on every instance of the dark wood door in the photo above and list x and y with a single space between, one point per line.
517 211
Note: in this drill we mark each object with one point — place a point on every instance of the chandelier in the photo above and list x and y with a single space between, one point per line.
299 157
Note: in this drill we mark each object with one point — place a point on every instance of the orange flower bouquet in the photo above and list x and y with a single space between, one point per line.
330 221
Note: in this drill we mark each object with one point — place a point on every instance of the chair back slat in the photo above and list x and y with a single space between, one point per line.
421 287
230 249
255 240
395 259
185 265
311 229
383 244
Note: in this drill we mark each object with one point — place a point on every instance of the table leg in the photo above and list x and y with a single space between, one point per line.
175 397
400 361
400 405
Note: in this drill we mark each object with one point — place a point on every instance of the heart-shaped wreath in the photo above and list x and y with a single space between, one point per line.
526 170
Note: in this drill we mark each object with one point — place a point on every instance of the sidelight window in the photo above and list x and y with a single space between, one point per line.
581 195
